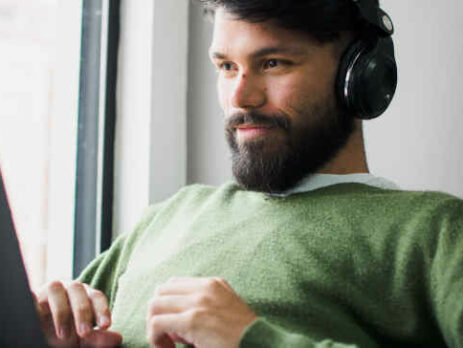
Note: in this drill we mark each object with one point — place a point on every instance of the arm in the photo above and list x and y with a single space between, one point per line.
104 272
79 313
207 313
437 252
446 272
261 333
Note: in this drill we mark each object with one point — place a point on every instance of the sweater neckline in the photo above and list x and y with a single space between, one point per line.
316 181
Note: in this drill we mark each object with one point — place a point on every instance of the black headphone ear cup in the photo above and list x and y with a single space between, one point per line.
367 78
343 87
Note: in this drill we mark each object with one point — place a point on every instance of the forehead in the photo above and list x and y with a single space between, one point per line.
232 35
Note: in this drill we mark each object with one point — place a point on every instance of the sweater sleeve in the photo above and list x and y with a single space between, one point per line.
446 275
263 334
442 228
104 272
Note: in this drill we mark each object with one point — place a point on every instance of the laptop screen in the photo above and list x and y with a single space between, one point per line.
19 321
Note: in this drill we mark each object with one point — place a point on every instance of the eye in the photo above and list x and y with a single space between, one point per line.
279 64
226 66
271 63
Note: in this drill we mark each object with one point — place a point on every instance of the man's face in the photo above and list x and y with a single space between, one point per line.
276 88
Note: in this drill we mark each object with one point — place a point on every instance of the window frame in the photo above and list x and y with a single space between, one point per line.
96 131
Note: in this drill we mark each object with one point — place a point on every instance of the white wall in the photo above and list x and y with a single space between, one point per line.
208 156
150 150
417 143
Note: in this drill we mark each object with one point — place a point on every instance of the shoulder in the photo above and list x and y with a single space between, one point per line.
397 211
426 201
425 218
199 193
415 200
191 197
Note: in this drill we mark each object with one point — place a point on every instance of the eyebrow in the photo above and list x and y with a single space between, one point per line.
265 52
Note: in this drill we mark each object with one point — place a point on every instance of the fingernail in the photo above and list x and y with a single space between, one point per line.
103 321
85 329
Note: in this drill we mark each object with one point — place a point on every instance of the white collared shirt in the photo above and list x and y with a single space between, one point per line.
316 181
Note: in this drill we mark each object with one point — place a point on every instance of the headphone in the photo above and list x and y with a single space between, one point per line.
367 75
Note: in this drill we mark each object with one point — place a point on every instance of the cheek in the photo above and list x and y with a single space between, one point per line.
223 92
302 93
292 97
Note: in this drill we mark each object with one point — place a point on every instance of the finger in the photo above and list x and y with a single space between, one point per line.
185 285
43 309
46 319
102 339
82 309
36 301
60 309
160 333
101 309
41 302
169 304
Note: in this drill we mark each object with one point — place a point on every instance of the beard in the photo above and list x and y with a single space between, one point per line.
263 165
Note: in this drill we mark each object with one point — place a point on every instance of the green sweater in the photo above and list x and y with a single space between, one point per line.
343 265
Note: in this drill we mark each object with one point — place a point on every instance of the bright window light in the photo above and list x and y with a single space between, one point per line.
39 66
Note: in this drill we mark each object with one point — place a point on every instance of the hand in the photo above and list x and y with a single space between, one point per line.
204 312
68 313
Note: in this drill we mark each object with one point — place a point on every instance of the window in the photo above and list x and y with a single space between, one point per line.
57 129
57 121
39 65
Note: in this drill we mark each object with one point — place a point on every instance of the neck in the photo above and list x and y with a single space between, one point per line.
352 158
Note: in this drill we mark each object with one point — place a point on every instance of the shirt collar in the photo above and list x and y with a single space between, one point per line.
316 181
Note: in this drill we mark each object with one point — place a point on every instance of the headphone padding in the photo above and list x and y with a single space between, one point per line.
367 78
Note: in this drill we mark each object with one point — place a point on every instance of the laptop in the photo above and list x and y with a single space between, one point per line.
19 321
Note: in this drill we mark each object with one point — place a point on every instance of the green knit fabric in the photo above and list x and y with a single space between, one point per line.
341 266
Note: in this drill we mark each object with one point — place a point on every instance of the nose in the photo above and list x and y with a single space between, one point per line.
248 92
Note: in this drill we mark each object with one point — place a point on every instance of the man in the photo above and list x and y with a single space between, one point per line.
307 249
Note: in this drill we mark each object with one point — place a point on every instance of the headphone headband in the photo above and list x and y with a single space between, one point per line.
375 16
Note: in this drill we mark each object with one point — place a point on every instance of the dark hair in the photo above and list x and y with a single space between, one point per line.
323 19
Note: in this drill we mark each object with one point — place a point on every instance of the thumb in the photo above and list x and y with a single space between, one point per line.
102 339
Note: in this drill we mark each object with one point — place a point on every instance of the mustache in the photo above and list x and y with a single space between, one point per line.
258 119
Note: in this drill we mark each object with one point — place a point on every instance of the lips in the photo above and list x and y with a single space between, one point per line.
247 132
250 126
